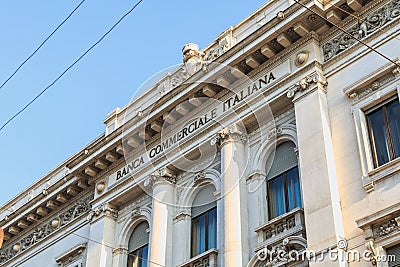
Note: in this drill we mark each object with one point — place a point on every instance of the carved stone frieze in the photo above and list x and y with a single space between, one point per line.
386 228
305 83
374 21
178 77
40 232
369 89
221 47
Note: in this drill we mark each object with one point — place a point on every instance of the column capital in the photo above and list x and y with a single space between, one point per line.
104 210
163 174
232 133
120 250
257 175
305 83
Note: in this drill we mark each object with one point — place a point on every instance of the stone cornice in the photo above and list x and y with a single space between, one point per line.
351 20
379 216
71 255
371 87
39 199
237 48
45 229
349 49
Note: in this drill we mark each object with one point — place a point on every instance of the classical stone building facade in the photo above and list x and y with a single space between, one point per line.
276 145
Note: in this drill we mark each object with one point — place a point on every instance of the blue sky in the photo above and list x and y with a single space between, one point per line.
70 114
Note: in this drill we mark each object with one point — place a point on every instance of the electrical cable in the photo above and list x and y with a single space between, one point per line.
40 46
88 239
364 20
70 66
349 34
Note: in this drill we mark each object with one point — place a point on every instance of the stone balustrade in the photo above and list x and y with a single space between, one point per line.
206 259
281 227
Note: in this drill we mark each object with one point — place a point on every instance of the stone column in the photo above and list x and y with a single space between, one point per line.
162 221
234 195
120 257
182 235
323 215
256 188
102 235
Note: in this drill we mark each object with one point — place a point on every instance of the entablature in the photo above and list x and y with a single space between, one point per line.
52 199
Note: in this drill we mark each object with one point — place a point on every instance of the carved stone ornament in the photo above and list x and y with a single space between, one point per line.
234 132
103 210
274 132
100 187
218 49
161 175
136 213
305 83
55 223
302 58
199 177
374 21
374 86
192 58
42 231
386 228
370 245
120 250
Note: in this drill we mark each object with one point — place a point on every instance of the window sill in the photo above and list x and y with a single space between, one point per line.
380 173
208 258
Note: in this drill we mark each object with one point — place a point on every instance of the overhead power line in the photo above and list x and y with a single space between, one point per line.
70 66
66 231
350 35
365 21
40 46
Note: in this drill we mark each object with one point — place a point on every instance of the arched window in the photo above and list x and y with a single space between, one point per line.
283 182
204 221
138 246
